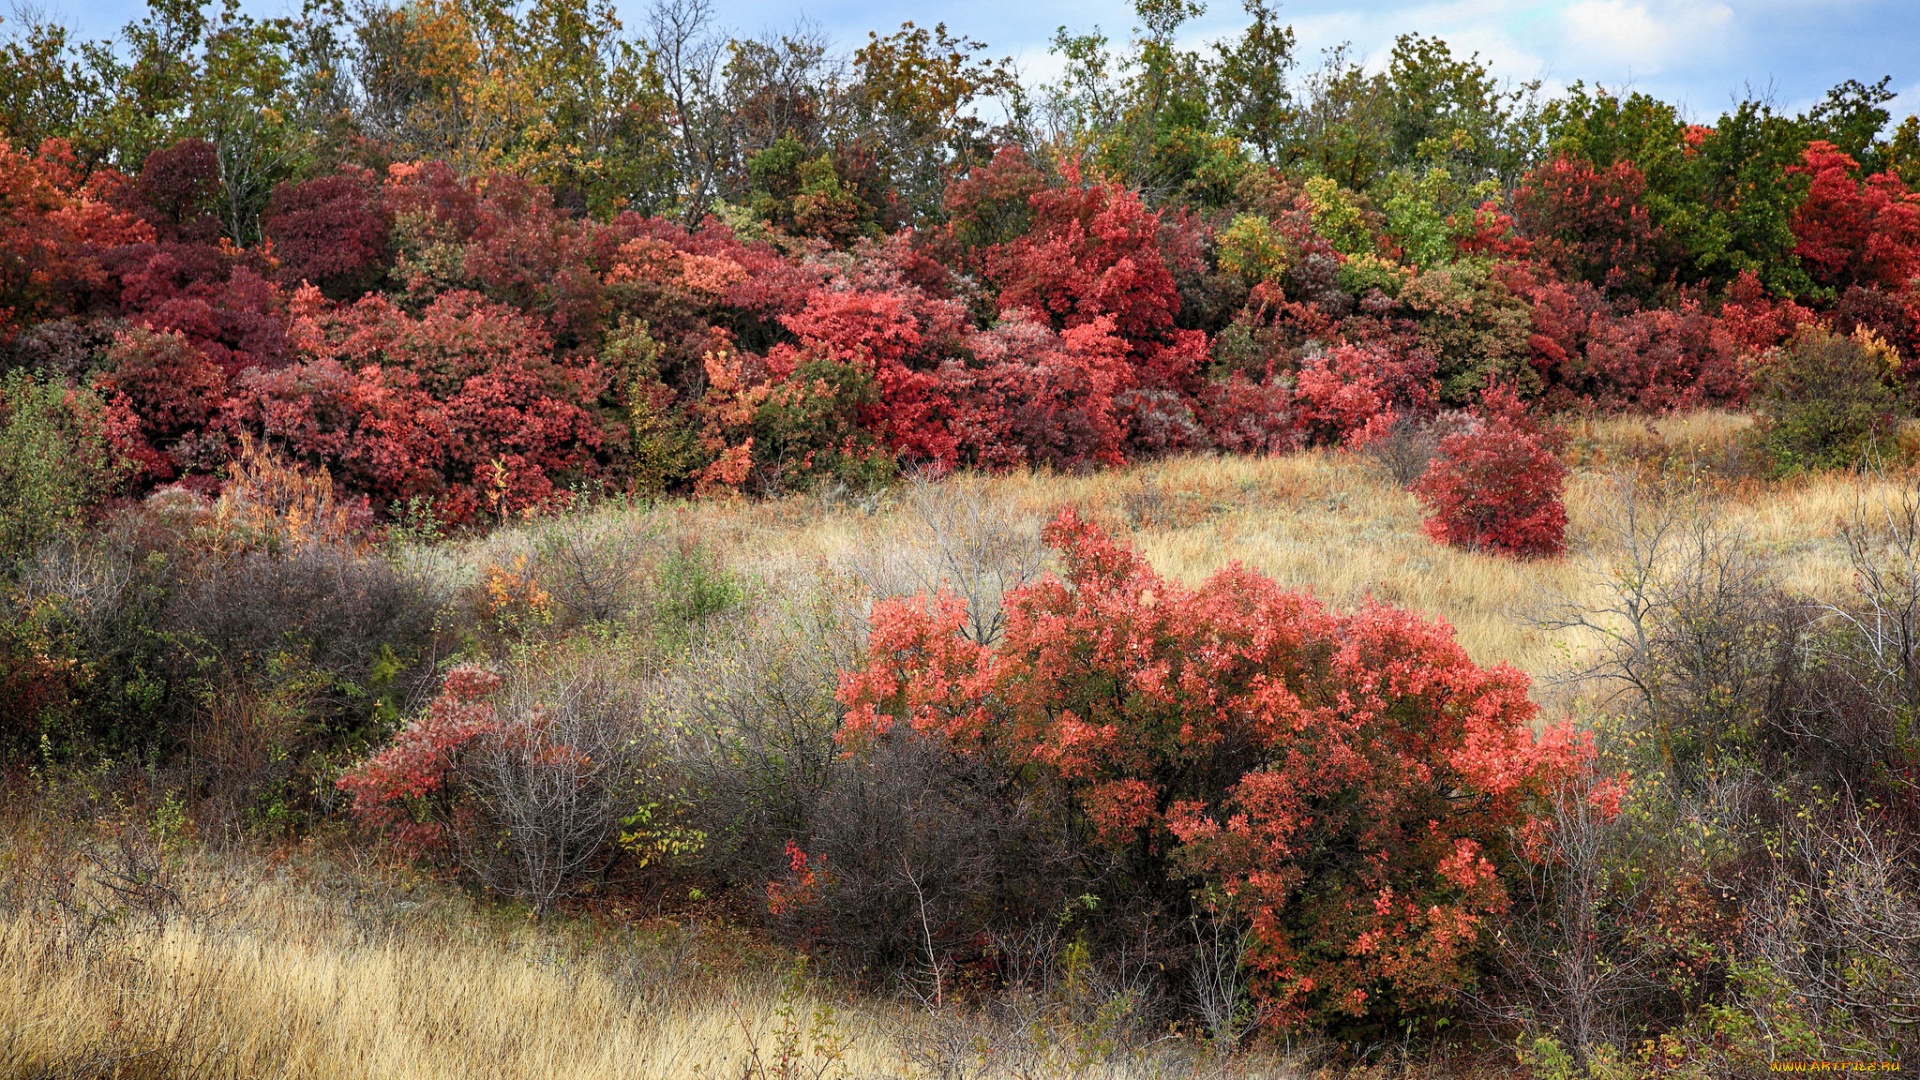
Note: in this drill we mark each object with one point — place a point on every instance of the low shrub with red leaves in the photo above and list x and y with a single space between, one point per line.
1500 485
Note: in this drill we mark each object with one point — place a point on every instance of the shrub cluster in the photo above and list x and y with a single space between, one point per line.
459 341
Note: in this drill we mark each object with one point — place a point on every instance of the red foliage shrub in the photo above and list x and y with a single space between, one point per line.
1345 393
171 391
1753 322
1093 250
890 335
1244 734
1493 233
463 404
1498 486
1244 416
1590 224
1887 318
1855 232
525 253
990 206
408 790
1589 352
431 203
176 189
51 230
1030 396
331 231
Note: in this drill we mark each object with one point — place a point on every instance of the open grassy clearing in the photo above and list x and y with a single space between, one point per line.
1324 522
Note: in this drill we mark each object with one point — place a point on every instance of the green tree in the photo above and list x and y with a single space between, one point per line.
914 109
1250 92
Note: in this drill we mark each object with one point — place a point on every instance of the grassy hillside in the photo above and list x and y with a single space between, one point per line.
139 940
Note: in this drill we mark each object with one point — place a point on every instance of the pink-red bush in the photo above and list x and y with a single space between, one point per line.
409 790
464 404
1498 486
1855 232
1591 224
1240 733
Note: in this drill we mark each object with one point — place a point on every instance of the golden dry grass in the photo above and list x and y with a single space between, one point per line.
291 984
269 969
293 995
1329 524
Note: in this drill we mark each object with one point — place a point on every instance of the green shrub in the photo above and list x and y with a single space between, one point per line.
1826 401
55 463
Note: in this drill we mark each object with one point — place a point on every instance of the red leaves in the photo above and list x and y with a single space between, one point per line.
1344 394
1035 397
463 404
51 231
1498 486
1591 224
520 348
1239 729
1855 232
1092 251
404 789
170 390
331 231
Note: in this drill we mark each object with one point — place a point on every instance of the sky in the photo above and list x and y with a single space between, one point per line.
1700 54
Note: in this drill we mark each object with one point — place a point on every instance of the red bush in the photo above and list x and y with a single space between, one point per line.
1093 250
463 404
1591 224
331 231
1244 416
1031 396
1344 394
176 190
408 790
51 233
1855 232
1498 486
1241 733
170 390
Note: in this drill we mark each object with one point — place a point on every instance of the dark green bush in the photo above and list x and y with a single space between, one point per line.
1826 401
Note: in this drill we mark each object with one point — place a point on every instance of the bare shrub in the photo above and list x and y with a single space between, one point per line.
1084 1020
547 779
595 565
1689 622
1573 958
237 746
750 715
1219 977
1861 685
1835 921
930 854
1403 452
962 541
352 618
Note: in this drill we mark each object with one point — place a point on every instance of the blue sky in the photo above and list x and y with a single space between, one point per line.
1699 53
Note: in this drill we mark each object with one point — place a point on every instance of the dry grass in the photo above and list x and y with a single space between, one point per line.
1329 524
247 970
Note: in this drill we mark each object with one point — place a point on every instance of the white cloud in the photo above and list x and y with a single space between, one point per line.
1623 31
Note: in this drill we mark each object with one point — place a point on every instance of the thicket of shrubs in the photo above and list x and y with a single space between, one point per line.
492 353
